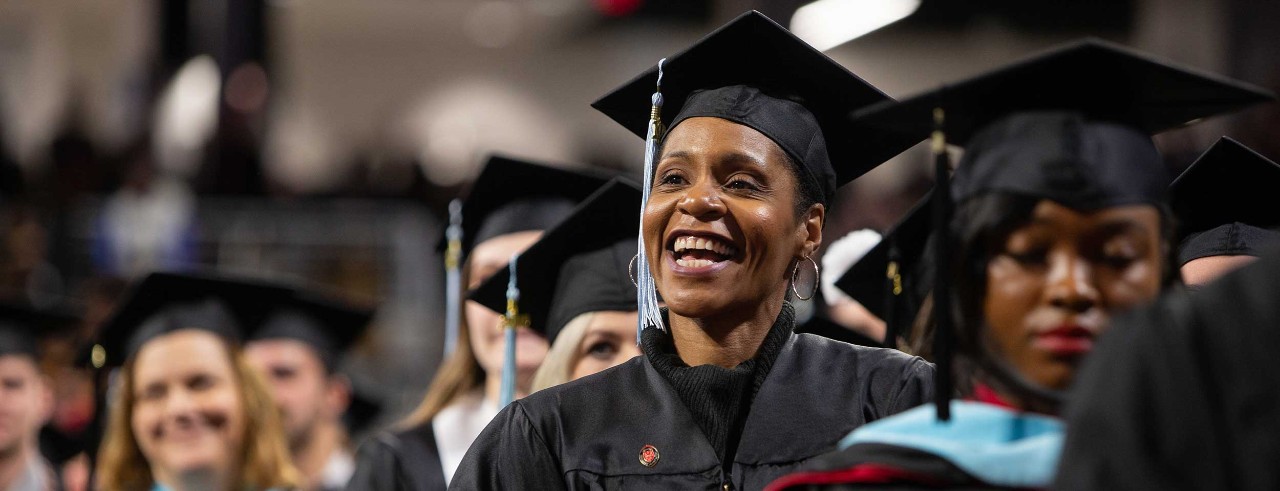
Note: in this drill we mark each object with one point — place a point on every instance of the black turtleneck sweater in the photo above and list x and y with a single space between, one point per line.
719 398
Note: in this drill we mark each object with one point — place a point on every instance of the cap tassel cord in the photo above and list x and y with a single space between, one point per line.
511 321
453 276
646 296
943 322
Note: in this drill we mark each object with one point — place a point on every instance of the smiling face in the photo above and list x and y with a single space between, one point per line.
485 326
721 228
610 339
187 416
1058 280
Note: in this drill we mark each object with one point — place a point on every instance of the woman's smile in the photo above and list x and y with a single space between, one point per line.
697 253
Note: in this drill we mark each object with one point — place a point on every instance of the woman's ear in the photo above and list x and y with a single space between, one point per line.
811 229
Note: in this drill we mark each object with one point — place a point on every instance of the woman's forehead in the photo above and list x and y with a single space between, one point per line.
719 140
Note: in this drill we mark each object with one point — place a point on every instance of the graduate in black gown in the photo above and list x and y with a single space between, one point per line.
297 349
1184 396
574 287
509 206
1055 221
725 396
1228 211
188 413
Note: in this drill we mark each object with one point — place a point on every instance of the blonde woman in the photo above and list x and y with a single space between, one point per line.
189 413
509 206
575 288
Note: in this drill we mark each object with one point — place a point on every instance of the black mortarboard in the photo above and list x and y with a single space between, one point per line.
512 195
330 326
756 73
22 327
579 266
1070 125
893 278
1226 203
1073 121
165 302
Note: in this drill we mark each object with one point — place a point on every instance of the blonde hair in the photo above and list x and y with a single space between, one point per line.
265 457
459 375
557 367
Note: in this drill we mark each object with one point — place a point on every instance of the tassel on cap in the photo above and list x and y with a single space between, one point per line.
453 276
646 293
943 323
511 321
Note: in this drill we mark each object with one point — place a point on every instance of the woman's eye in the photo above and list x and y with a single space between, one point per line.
672 179
602 349
200 382
151 393
1029 257
745 184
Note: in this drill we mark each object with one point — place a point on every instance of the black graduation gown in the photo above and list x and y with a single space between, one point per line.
589 433
399 461
1183 395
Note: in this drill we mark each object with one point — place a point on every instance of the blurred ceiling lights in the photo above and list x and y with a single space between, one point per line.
187 115
826 24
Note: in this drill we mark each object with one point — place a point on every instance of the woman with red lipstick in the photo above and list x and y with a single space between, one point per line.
1060 222
725 395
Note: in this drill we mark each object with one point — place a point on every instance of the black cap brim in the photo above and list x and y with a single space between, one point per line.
605 223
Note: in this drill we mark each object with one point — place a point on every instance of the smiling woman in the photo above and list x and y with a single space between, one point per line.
191 413
724 394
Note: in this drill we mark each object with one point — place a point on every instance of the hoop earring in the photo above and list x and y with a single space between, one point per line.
817 276
631 266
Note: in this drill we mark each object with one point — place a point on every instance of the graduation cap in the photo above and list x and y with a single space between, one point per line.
165 302
1226 203
22 327
755 73
893 278
513 195
509 196
330 326
578 267
1071 125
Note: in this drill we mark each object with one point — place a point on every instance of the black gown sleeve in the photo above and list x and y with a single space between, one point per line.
509 454
399 461
894 386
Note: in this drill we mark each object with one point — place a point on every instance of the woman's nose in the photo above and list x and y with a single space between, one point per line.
702 201
179 404
1071 284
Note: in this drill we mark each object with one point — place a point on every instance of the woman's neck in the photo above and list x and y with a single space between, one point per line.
196 480
493 385
726 340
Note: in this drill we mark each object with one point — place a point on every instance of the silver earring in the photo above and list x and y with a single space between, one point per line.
631 266
817 275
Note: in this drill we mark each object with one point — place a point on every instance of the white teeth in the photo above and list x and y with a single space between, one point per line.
699 243
694 263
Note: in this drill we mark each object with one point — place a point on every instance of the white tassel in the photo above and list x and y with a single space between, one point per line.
646 296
